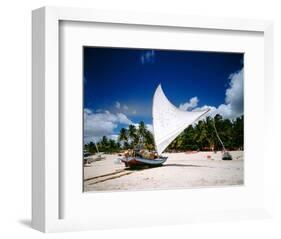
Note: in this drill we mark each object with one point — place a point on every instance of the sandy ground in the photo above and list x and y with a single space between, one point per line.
181 170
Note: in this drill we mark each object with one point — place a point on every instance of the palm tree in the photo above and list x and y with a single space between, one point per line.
142 131
123 137
189 138
201 135
112 145
103 145
133 135
238 132
212 139
126 145
149 140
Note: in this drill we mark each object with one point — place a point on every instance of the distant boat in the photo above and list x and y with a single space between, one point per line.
89 158
168 122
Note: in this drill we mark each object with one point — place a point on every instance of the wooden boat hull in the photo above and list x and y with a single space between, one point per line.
134 162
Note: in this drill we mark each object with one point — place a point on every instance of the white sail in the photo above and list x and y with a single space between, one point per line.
168 120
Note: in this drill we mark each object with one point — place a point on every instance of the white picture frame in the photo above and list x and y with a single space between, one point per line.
48 175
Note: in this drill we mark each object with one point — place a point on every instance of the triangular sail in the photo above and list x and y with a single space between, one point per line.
168 120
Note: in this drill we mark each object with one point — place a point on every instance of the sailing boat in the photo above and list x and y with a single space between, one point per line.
88 158
168 122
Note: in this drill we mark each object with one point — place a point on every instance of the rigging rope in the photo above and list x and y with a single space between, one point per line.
96 146
218 134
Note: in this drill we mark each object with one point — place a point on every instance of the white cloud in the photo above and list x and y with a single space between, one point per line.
128 110
148 126
98 124
192 103
87 111
113 136
147 57
234 94
120 106
233 106
117 105
223 110
123 119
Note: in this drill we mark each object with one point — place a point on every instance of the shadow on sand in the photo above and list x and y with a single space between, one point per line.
181 165
146 167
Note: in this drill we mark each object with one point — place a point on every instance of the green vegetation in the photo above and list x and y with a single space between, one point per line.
200 136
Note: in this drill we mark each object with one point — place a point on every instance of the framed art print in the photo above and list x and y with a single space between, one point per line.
136 139
136 117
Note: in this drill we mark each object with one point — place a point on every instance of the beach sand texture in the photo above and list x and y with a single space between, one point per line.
181 170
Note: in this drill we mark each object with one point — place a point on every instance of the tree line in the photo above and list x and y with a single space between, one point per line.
200 136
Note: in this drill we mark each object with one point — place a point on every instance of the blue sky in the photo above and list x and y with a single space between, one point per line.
119 84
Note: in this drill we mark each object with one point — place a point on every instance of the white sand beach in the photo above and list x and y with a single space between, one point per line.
181 170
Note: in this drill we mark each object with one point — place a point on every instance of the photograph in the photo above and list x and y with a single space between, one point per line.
160 119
